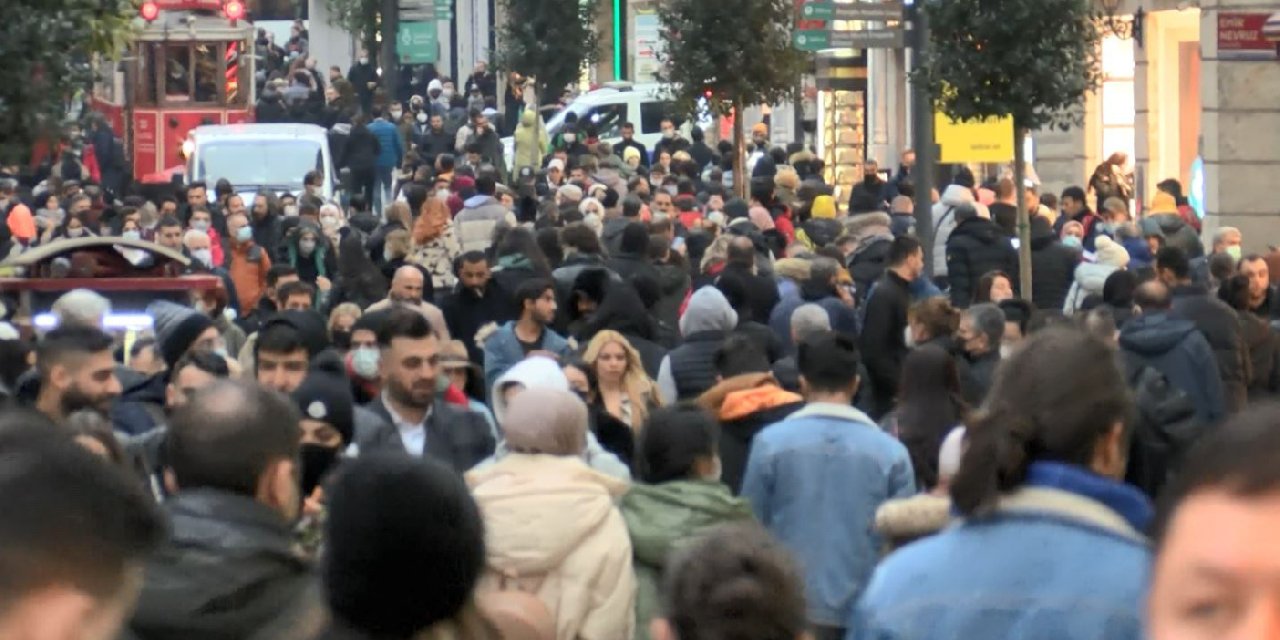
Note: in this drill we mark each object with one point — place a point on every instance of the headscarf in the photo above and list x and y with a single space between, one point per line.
546 421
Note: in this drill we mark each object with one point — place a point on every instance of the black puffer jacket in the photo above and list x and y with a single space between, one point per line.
229 571
1221 327
1053 266
977 246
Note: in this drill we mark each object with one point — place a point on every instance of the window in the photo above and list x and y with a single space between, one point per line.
652 114
1118 132
278 165
606 118
192 74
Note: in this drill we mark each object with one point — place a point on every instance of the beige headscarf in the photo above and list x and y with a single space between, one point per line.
549 421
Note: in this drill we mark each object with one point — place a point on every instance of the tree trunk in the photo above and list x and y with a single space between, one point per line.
1024 216
739 161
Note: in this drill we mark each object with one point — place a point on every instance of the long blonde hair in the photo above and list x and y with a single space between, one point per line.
640 390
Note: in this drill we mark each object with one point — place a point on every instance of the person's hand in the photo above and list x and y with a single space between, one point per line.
846 295
314 503
323 283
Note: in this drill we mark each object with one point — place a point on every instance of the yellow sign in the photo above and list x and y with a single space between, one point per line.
988 141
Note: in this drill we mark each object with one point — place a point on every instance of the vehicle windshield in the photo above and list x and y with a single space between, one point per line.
280 164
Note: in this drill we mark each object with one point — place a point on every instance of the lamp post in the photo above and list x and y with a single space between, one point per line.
1119 25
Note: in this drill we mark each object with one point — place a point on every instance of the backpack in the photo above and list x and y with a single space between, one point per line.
1165 428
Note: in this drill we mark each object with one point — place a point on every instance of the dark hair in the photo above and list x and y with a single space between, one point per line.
672 441
532 289
446 161
1222 265
486 185
740 354
168 221
582 238
635 239
295 288
228 434
69 341
278 271
520 241
631 206
1173 188
73 519
828 361
140 345
279 337
903 247
208 362
929 406
1236 458
548 240
1035 413
469 257
734 581
403 323
1153 295
1073 192
1235 292
1175 260
1017 311
1118 288
983 291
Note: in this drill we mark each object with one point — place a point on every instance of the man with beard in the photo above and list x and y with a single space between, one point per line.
408 366
76 372
475 302
406 291
870 194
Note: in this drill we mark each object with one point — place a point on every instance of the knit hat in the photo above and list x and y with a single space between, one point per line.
326 397
309 325
1109 252
405 544
569 193
823 207
556 163
629 153
787 178
736 208
177 328
761 218
548 421
532 372
760 128
1163 203
462 182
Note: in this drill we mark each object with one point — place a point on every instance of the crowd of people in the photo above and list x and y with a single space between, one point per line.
600 397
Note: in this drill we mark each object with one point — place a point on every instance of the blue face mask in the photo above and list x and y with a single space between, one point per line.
364 362
244 234
1071 241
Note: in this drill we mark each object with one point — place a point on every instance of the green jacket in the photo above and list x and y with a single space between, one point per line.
661 518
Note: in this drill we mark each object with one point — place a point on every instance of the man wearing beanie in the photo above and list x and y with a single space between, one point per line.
179 330
285 347
328 427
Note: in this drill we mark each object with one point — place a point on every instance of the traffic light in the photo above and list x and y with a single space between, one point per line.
234 10
149 11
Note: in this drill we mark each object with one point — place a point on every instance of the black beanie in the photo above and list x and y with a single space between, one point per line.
326 397
176 328
405 544
309 325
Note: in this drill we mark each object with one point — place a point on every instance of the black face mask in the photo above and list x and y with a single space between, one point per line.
317 461
341 339
871 178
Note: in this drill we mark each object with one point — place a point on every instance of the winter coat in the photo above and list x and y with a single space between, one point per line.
361 151
551 529
979 374
1263 347
630 266
502 350
745 404
900 522
247 264
762 291
944 222
673 283
466 311
1221 327
660 518
491 150
1089 280
868 262
229 570
1175 348
390 149
474 225
689 370
883 341
433 143
1176 232
531 142
455 436
976 247
140 407
1053 266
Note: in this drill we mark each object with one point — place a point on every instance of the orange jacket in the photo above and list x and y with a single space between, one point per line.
248 265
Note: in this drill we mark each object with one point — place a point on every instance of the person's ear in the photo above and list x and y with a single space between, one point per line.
170 395
60 377
278 488
170 482
660 629
1110 455
853 386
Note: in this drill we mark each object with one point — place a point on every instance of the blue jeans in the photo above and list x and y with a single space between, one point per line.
382 190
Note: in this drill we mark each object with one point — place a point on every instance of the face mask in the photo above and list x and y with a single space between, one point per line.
671 189
1005 351
447 93
306 246
1234 252
1071 241
200 225
395 115
203 256
668 133
245 234
75 233
329 222
364 61
443 194
221 352
364 362
422 117
387 256
131 235
341 339
908 339
316 462
1107 227
570 137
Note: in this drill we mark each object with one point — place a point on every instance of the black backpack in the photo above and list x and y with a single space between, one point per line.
1164 429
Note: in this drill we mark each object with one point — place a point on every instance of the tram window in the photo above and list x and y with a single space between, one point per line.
177 74
144 81
205 60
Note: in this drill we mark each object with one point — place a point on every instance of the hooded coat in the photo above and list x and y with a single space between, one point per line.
662 517
1221 327
1175 348
551 529
531 142
944 222
1090 277
1053 265
976 246
321 262
688 370
745 404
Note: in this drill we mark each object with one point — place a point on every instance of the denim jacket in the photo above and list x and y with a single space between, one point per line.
502 351
1061 558
815 481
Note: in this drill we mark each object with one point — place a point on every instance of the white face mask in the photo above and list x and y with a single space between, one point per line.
443 194
330 222
306 246
1006 350
203 256
364 61
570 137
396 113
422 117
131 235
447 93
668 133
364 362
908 338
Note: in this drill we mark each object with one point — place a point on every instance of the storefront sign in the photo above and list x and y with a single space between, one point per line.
1241 36
417 42
647 30
986 141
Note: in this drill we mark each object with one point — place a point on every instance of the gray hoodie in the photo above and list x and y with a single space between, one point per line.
708 310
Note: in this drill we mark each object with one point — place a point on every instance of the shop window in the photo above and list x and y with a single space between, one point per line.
1117 97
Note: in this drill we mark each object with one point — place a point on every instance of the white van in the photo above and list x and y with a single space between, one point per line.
644 105
276 157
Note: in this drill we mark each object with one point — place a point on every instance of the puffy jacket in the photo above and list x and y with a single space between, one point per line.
869 262
530 141
230 570
551 529
944 222
1221 327
1175 348
745 404
1089 279
390 150
1053 266
977 246
662 517
474 225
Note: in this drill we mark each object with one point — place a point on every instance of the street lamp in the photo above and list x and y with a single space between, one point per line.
1120 26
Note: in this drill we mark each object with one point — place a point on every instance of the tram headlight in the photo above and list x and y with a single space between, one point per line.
188 147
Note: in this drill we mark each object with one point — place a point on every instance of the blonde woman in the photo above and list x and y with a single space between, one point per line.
623 389
341 319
